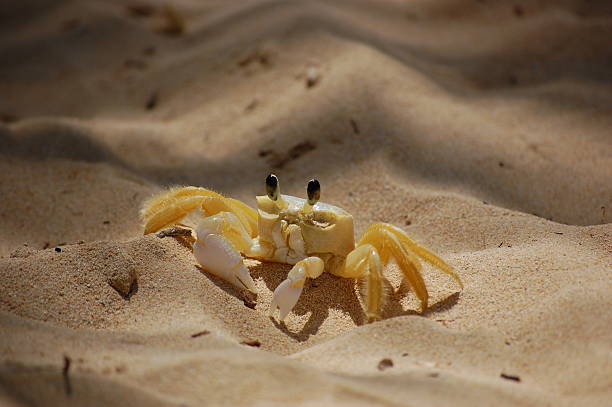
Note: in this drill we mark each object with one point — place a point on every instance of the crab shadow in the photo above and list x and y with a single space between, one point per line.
329 292
246 296
319 297
394 308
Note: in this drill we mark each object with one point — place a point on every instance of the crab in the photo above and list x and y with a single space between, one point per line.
311 235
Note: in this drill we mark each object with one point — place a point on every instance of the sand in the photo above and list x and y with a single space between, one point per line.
483 128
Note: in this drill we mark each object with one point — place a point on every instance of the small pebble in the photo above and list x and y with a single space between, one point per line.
510 377
254 343
201 333
312 77
385 364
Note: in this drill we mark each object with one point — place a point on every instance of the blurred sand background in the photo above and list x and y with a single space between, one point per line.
483 128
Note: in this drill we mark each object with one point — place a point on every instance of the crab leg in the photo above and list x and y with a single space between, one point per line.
248 217
421 252
220 238
388 245
392 242
288 292
169 207
364 262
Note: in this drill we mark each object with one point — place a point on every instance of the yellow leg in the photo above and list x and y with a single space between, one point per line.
169 207
422 252
364 262
389 246
228 225
391 241
249 214
246 215
171 214
162 199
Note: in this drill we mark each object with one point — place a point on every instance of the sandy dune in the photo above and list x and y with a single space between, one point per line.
482 128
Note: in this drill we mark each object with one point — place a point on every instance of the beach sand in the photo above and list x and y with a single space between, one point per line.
482 128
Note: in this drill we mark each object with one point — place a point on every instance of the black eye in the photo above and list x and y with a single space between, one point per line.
272 187
314 191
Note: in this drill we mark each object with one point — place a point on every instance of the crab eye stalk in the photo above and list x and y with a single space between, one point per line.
272 187
314 191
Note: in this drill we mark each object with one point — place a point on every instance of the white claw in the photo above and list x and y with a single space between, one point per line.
287 294
244 278
217 255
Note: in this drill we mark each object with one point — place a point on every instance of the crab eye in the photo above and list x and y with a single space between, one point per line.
272 187
314 191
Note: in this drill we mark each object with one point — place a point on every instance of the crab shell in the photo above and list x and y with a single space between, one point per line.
298 230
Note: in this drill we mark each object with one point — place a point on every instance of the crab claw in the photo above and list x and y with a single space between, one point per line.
218 256
286 295
288 292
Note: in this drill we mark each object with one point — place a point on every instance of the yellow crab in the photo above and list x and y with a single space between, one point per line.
311 235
